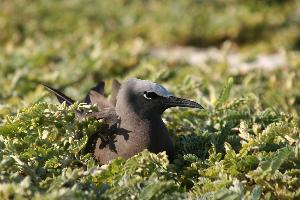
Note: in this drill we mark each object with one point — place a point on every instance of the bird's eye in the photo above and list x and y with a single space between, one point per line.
150 95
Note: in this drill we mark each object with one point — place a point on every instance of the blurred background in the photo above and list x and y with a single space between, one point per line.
190 46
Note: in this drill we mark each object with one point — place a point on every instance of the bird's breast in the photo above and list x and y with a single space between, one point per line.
134 136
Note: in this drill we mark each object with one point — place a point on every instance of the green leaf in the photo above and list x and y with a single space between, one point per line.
256 193
224 95
78 145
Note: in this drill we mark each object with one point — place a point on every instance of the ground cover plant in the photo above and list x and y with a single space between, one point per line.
244 145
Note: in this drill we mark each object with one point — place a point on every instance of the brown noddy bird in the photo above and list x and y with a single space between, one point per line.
133 118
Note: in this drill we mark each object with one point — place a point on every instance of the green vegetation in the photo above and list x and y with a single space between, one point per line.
245 144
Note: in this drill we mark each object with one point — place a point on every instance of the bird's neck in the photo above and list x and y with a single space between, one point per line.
133 119
129 114
148 130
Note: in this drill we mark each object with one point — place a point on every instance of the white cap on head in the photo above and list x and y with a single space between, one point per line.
154 87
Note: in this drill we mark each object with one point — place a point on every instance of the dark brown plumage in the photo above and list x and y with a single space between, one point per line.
132 118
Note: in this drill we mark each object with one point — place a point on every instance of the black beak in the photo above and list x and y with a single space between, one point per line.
172 101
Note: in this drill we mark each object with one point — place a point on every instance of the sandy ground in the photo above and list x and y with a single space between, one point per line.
237 62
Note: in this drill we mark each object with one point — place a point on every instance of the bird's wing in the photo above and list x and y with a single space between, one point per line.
114 92
100 100
111 121
96 96
64 98
98 88
60 96
108 115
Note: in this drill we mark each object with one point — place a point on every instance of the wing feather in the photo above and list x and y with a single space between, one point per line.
114 91
60 96
96 96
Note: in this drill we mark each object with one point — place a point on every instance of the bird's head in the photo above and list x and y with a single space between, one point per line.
147 98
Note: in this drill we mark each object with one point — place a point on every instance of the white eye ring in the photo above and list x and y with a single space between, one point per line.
146 97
